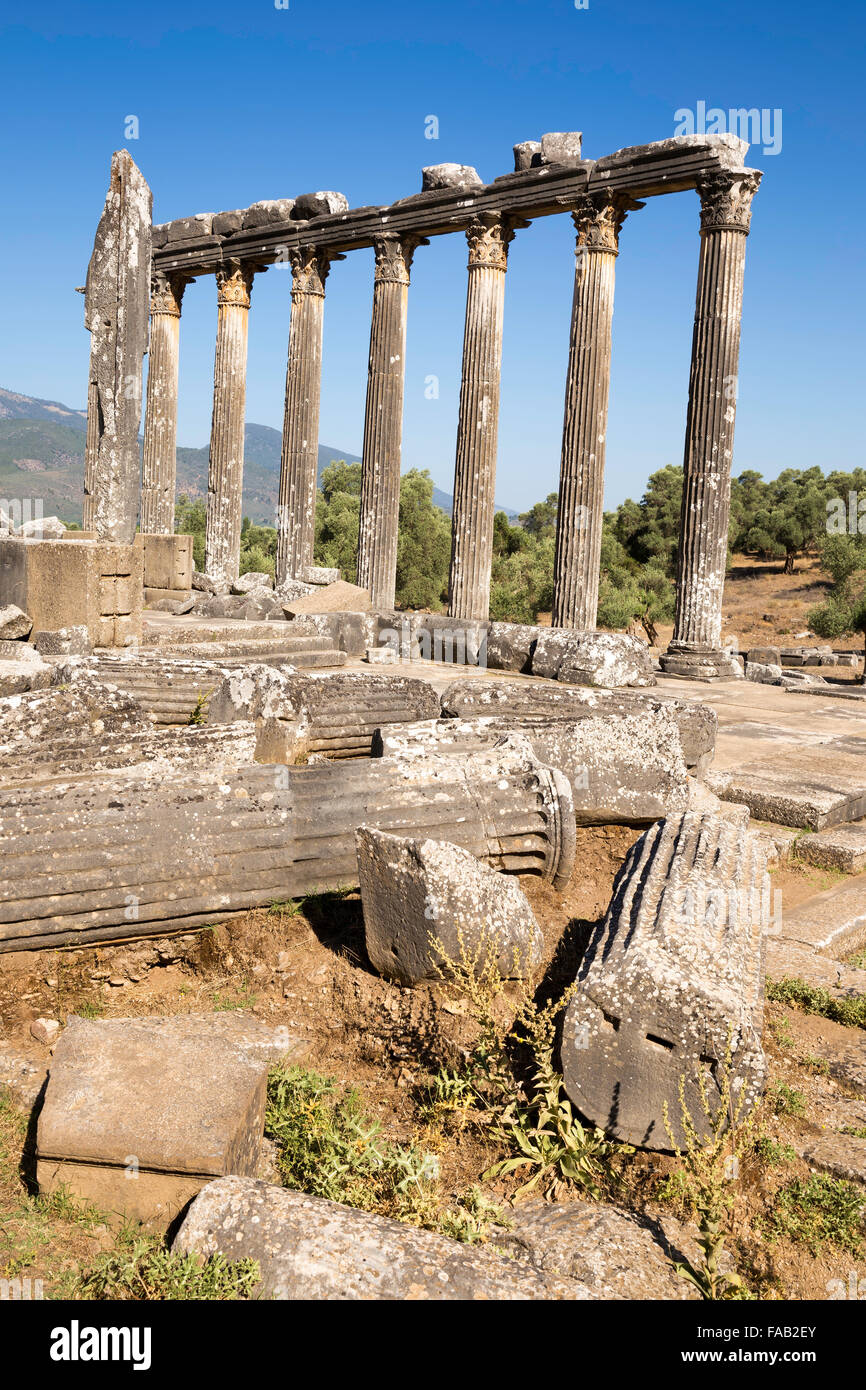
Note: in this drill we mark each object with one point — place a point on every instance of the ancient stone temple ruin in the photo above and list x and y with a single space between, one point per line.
315 230
279 794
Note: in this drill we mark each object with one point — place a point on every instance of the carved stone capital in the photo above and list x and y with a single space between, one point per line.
310 266
726 200
394 256
598 219
235 283
489 236
166 293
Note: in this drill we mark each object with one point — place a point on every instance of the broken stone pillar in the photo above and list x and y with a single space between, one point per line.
296 510
120 854
425 897
488 236
226 466
696 648
383 421
598 218
672 979
159 457
116 313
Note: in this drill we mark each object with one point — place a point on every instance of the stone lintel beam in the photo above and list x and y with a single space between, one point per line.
296 509
696 648
383 420
226 464
667 166
159 457
598 219
475 469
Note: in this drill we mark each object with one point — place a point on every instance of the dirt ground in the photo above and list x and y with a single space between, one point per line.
305 967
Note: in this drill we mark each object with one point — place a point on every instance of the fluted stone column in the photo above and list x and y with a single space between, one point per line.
598 218
383 421
226 466
696 648
159 459
475 471
296 512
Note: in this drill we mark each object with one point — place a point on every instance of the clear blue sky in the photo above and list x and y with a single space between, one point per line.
241 102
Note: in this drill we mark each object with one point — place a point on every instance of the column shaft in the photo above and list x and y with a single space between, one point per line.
383 422
296 512
159 457
598 219
226 466
475 468
725 214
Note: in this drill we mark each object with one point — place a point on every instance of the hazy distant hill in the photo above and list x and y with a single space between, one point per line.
42 456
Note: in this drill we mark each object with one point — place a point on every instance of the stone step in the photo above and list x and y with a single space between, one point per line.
839 847
810 788
833 922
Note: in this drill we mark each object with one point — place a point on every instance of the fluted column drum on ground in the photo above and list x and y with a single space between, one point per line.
475 472
296 511
159 459
383 421
598 218
696 648
226 466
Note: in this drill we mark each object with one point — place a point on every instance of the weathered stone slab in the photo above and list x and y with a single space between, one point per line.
449 176
63 641
697 723
811 787
561 147
322 204
140 1113
14 624
18 651
672 977
319 574
253 579
622 767
425 897
841 847
330 598
310 1248
613 1252
19 676
42 528
605 659
527 155
510 646
763 673
268 210
833 921
765 656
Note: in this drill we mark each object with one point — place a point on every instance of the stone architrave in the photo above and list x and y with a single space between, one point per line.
488 236
226 465
726 210
383 421
296 510
116 303
598 218
159 457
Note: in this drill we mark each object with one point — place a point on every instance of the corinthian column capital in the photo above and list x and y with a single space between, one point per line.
310 266
394 256
598 219
235 283
166 293
726 200
489 235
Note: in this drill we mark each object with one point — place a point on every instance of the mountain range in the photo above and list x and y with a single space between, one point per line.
42 455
